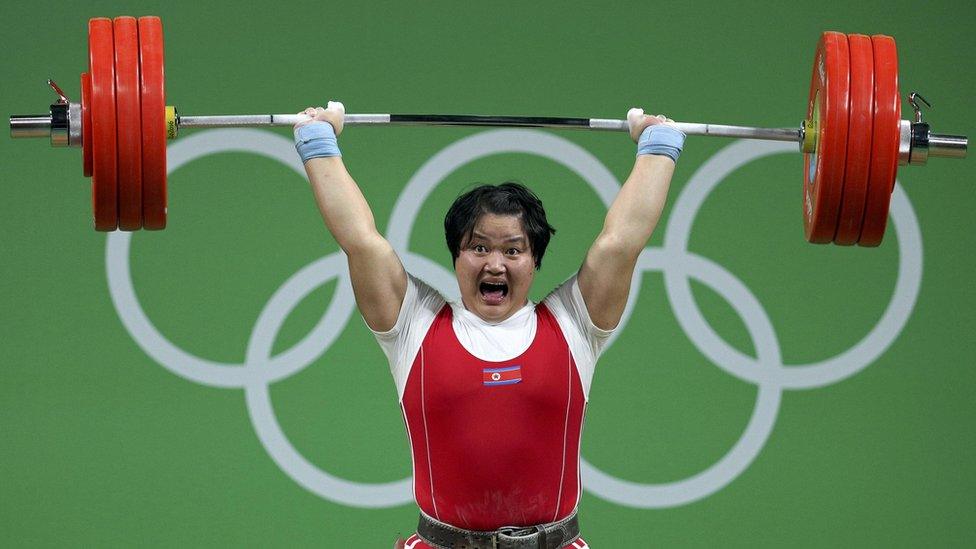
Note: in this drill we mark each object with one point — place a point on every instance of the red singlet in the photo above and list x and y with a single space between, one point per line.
494 443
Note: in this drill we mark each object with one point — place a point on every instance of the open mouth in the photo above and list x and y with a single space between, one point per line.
493 292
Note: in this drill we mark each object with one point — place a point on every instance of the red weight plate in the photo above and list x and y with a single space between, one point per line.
86 131
823 170
101 65
129 117
153 123
884 147
859 131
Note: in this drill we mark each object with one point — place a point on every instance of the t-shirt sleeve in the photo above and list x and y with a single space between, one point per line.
400 344
586 341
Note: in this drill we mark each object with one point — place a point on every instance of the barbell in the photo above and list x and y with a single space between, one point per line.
852 138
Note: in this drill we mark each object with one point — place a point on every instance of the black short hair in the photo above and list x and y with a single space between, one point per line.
509 198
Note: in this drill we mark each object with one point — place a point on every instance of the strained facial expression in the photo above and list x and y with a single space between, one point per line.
495 267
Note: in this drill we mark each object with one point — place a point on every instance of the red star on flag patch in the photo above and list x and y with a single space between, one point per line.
502 376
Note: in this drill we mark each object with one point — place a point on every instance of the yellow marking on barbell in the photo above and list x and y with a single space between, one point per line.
171 122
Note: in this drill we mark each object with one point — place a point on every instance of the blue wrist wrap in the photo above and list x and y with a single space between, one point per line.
661 139
316 140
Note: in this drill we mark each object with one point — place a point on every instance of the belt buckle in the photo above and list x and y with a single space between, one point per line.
512 532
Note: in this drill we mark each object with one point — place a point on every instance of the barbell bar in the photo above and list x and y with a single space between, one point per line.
852 137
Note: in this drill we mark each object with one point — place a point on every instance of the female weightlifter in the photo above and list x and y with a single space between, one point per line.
493 388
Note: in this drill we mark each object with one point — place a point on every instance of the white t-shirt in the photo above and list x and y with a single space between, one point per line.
494 342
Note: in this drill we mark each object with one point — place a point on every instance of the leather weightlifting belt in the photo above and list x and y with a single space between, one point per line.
553 535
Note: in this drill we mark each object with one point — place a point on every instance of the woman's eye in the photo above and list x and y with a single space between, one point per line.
480 249
513 251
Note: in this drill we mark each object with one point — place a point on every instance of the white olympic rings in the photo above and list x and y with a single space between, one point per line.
678 265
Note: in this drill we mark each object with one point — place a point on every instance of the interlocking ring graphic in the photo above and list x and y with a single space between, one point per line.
678 265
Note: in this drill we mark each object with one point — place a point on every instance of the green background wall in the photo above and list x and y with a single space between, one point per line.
103 446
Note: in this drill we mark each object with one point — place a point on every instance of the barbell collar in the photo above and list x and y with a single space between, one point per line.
923 144
920 143
62 125
59 125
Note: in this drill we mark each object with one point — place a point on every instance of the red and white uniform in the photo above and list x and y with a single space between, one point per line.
494 411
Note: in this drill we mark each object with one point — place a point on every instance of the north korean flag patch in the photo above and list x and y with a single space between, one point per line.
502 376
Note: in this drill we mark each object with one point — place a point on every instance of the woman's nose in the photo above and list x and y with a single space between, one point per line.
495 262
